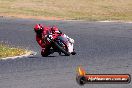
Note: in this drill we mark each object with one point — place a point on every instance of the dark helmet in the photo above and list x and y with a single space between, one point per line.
38 28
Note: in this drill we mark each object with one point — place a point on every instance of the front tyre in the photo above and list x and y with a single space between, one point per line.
62 49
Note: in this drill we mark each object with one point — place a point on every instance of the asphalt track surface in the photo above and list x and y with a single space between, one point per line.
101 48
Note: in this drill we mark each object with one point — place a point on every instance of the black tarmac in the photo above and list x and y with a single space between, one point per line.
102 48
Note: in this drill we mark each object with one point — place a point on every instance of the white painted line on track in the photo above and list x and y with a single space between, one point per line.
107 21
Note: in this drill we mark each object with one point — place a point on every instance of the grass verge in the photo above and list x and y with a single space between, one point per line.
6 51
68 9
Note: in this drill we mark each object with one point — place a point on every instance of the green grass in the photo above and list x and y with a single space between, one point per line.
6 51
69 9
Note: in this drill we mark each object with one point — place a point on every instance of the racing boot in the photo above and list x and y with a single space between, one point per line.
45 53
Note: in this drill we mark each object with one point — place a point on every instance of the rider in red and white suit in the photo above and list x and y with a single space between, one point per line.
41 34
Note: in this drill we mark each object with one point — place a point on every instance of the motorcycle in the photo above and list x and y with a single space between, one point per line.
60 44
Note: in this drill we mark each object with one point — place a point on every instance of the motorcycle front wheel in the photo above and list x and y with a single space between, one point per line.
65 51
